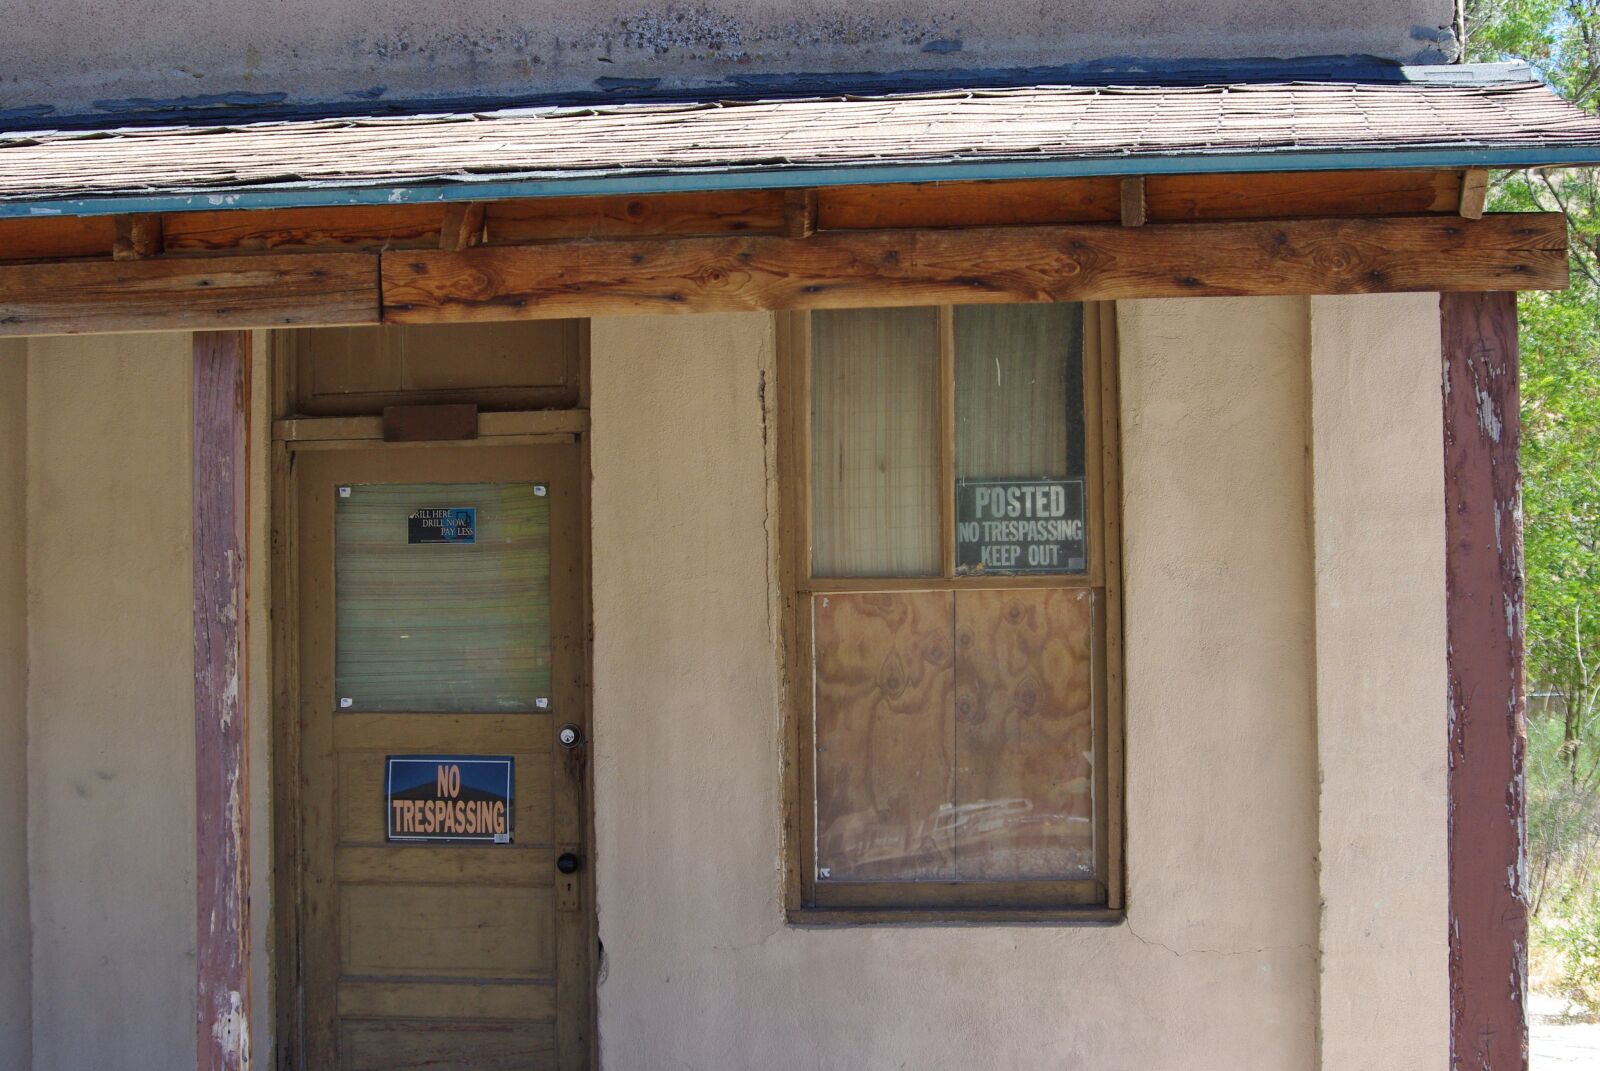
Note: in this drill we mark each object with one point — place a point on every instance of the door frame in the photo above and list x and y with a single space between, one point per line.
291 437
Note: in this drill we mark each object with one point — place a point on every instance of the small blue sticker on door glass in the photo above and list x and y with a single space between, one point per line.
443 524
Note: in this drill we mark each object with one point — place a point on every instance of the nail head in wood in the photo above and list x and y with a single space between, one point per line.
1133 210
1474 192
800 213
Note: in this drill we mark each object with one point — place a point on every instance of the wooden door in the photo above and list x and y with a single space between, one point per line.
452 954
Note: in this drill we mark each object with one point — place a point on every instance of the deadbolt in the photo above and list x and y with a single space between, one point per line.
569 736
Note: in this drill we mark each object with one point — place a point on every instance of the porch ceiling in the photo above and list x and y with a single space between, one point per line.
1032 132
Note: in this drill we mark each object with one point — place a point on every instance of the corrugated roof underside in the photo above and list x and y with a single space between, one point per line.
1042 123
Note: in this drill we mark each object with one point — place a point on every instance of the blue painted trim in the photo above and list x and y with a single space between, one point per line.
311 195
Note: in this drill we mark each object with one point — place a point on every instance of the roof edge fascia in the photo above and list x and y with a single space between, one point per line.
331 195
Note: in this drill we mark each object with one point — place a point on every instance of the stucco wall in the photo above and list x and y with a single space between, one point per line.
81 56
1217 964
15 952
1380 546
1284 620
110 701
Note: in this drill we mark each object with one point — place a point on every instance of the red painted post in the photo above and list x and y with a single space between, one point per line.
1488 735
221 466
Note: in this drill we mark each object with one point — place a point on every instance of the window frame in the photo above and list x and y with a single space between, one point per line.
1097 900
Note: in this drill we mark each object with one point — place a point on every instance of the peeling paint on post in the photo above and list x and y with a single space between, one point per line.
1483 582
221 423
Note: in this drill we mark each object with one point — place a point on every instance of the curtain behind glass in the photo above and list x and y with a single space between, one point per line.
1019 391
874 445
437 627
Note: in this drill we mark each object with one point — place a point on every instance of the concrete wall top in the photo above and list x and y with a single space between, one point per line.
80 57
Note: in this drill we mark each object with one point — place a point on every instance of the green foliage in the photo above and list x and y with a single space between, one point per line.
1561 496
1573 934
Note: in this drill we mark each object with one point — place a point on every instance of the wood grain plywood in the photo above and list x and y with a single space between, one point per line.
885 723
1024 734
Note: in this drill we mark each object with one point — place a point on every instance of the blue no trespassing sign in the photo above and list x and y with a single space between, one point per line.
449 798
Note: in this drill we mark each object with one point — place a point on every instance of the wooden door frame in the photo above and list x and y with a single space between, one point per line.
549 428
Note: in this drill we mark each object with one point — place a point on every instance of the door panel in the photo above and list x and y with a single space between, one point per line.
413 642
367 1045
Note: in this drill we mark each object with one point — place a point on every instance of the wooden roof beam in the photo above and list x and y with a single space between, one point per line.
1133 202
1521 251
551 280
800 213
178 293
462 226
1474 192
136 237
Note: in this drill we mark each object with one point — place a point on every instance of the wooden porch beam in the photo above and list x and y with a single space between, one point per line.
462 226
1474 192
1133 201
1520 251
1003 203
1524 251
1487 733
136 237
202 293
800 213
220 506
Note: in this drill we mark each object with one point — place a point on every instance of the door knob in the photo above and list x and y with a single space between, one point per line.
567 863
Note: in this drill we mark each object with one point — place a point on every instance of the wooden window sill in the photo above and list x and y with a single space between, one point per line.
820 917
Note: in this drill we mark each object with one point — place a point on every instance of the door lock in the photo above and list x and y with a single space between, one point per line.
569 736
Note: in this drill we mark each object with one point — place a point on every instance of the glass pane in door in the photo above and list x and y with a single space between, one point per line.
442 597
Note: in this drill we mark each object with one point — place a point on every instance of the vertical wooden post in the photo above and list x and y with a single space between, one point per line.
1484 614
221 467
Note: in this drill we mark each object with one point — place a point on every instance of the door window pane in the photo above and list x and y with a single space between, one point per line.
1021 503
875 442
440 609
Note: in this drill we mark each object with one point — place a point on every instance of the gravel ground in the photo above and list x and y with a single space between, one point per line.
1558 1043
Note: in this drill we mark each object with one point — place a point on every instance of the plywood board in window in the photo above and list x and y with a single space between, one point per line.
884 735
1024 735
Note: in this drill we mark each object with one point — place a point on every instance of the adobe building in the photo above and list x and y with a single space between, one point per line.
733 536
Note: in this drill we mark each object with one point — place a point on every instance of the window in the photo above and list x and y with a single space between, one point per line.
953 630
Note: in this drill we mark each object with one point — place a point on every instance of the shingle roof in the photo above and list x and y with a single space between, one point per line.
1057 123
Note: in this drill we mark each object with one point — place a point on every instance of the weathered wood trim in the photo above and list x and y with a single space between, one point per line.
1487 733
462 226
1474 192
281 230
1133 202
800 213
540 219
369 429
221 466
991 265
995 203
1519 251
199 293
136 237
429 423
